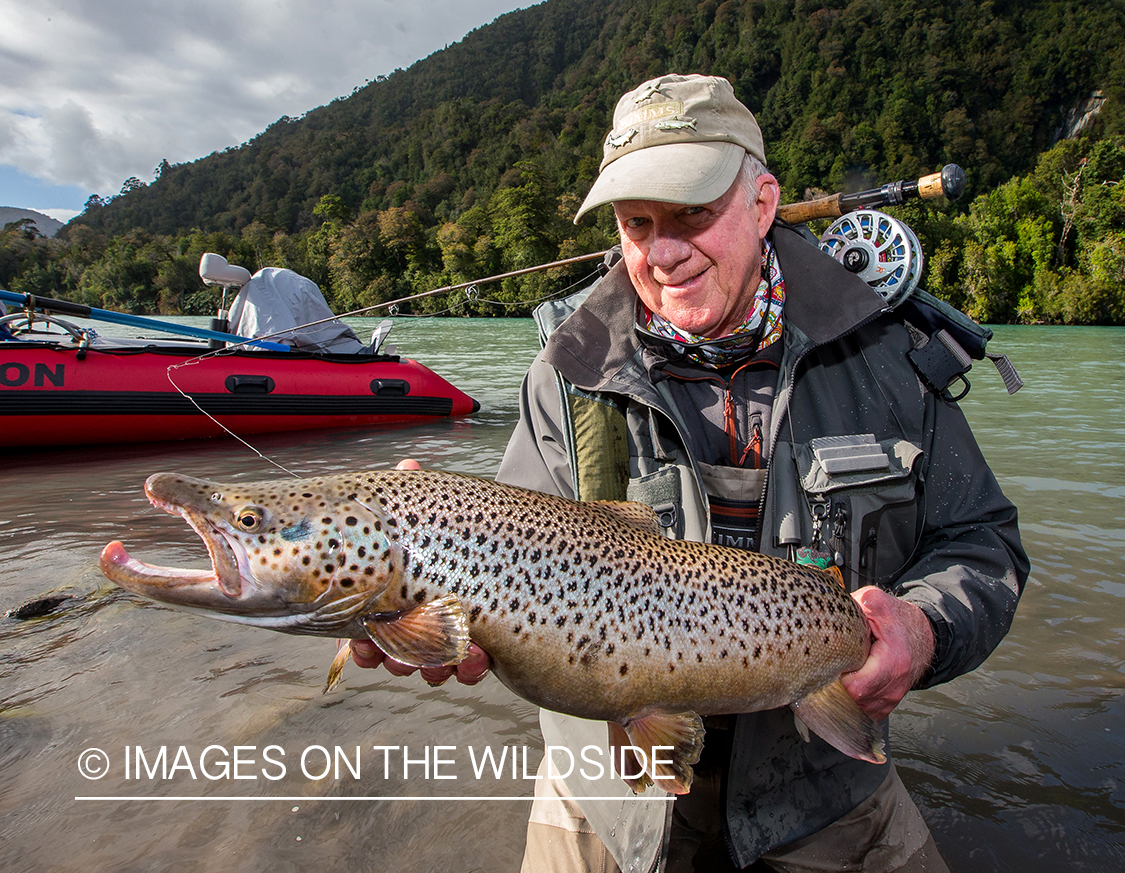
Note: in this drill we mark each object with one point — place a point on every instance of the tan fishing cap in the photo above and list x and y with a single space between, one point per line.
677 139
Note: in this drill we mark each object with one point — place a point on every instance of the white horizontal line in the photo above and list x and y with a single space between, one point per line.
303 799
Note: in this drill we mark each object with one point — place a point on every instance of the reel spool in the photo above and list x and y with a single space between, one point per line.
879 249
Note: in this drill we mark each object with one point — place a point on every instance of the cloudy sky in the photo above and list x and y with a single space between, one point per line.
92 93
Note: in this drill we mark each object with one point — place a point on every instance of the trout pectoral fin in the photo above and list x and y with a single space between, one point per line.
336 671
670 742
434 634
832 715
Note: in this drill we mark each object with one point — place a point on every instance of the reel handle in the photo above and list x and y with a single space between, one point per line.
949 183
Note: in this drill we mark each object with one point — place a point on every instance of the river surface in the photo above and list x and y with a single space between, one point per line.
1017 766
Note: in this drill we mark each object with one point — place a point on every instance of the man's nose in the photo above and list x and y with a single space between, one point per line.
667 248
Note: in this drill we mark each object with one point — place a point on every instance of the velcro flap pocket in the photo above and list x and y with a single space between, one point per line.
828 464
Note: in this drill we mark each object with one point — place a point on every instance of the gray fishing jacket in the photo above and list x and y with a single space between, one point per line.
859 451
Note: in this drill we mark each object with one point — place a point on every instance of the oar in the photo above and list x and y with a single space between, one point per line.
80 310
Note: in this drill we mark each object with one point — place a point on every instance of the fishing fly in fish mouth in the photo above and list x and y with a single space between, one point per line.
585 608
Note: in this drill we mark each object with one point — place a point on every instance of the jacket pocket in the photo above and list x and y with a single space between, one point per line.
860 499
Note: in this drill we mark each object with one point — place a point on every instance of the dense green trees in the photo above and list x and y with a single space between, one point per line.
473 161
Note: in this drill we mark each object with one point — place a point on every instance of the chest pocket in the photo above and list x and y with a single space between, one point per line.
856 501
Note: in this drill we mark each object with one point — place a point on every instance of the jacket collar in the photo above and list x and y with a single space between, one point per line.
596 347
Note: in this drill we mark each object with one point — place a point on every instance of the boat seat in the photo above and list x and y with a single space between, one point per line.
214 270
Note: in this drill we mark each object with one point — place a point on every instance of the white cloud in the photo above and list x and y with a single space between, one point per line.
92 93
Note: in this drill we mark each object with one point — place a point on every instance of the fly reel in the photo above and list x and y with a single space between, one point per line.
879 249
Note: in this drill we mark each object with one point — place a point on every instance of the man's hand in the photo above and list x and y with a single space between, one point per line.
901 651
469 672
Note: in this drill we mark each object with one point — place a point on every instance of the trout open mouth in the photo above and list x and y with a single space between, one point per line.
152 580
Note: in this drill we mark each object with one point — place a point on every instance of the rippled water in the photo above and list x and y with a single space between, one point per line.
1017 766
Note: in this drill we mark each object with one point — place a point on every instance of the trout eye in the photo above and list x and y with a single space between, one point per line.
248 518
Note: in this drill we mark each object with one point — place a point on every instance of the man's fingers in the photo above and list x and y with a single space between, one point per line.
437 675
475 666
470 671
366 654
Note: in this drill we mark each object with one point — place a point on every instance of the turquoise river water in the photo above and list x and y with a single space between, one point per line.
1019 766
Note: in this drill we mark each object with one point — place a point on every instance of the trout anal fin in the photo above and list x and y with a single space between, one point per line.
833 716
434 634
668 744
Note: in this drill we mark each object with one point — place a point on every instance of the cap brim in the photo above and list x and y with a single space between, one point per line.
689 173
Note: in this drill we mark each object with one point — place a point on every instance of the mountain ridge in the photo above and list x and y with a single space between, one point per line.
843 90
43 223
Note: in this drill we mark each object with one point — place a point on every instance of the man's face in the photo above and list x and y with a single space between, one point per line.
698 266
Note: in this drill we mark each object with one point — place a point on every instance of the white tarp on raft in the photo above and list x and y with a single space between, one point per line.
276 299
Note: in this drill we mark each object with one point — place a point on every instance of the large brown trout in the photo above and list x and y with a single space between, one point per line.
585 608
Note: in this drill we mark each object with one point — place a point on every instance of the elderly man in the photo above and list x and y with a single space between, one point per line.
756 394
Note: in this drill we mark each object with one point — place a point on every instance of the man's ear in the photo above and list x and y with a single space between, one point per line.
769 196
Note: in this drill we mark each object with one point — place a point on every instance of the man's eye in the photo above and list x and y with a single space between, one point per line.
635 222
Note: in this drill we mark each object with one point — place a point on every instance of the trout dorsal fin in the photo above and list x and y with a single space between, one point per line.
639 515
434 634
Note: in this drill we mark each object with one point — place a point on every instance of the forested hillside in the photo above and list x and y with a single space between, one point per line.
473 161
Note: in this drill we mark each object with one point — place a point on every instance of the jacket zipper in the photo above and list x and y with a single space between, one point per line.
779 420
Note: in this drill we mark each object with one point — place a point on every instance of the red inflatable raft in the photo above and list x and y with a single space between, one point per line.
54 393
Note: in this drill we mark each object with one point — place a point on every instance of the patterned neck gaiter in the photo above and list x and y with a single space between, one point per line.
760 328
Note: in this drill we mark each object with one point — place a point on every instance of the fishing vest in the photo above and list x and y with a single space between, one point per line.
840 481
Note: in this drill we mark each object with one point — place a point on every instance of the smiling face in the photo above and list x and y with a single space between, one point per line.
699 266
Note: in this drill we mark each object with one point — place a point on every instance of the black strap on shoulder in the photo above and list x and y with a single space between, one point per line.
946 342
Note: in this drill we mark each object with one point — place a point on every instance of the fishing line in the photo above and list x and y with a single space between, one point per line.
445 289
230 432
472 298
392 304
